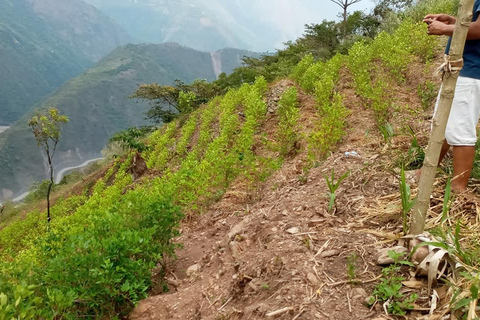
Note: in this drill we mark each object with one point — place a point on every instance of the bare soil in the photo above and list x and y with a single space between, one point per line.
282 255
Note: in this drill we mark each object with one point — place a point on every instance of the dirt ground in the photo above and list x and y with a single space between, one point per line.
282 255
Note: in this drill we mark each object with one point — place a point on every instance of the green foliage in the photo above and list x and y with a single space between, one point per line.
38 190
388 58
170 102
129 139
407 202
387 132
46 129
300 69
320 79
288 113
221 153
458 303
109 243
413 159
329 127
388 290
427 92
447 200
333 186
352 266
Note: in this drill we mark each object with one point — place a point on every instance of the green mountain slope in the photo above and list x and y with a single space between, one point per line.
97 105
43 43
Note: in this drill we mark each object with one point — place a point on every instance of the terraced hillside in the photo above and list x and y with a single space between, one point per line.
278 200
98 105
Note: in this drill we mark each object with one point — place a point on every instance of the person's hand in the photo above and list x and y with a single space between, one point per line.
445 18
436 28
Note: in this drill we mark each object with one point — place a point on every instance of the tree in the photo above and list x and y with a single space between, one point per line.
345 4
169 102
46 129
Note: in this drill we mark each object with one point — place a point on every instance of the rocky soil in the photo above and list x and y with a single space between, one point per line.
278 253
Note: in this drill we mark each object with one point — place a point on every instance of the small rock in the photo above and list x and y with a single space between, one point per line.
235 249
384 259
312 278
293 230
193 269
359 293
173 282
274 229
329 253
253 286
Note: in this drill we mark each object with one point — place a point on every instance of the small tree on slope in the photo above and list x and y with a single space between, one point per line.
344 4
46 129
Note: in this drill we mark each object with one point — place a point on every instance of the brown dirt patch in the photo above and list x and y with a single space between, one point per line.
284 252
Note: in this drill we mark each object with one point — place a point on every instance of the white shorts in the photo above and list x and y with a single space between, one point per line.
462 122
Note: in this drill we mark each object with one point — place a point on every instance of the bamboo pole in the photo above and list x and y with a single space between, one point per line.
437 137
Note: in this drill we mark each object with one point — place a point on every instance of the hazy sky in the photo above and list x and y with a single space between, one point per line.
290 16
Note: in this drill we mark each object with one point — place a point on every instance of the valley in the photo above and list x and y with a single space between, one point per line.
98 106
45 43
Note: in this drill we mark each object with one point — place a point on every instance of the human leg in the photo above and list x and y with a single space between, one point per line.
461 129
443 153
462 166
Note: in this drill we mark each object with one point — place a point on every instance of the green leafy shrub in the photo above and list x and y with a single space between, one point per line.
388 290
288 113
300 69
427 92
109 258
329 128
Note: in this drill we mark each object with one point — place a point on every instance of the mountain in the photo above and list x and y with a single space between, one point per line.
44 43
210 24
96 103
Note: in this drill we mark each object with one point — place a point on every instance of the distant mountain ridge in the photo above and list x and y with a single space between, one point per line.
97 105
43 43
200 24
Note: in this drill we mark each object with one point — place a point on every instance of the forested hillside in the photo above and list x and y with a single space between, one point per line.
44 43
283 196
98 106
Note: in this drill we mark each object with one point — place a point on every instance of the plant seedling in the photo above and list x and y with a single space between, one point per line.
333 186
388 290
407 203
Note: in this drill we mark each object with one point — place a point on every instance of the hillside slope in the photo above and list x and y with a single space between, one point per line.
97 105
44 43
285 195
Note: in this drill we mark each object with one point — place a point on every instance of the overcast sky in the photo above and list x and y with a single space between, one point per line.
290 16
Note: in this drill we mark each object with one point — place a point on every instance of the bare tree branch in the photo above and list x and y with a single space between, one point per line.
344 4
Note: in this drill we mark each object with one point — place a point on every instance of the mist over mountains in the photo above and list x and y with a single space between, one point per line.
44 43
214 24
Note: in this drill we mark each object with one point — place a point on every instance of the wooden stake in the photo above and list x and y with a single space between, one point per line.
437 137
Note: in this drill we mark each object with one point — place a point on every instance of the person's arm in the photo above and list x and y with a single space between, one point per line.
442 17
444 25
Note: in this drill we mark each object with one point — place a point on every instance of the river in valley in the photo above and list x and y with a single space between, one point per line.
59 175
3 128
